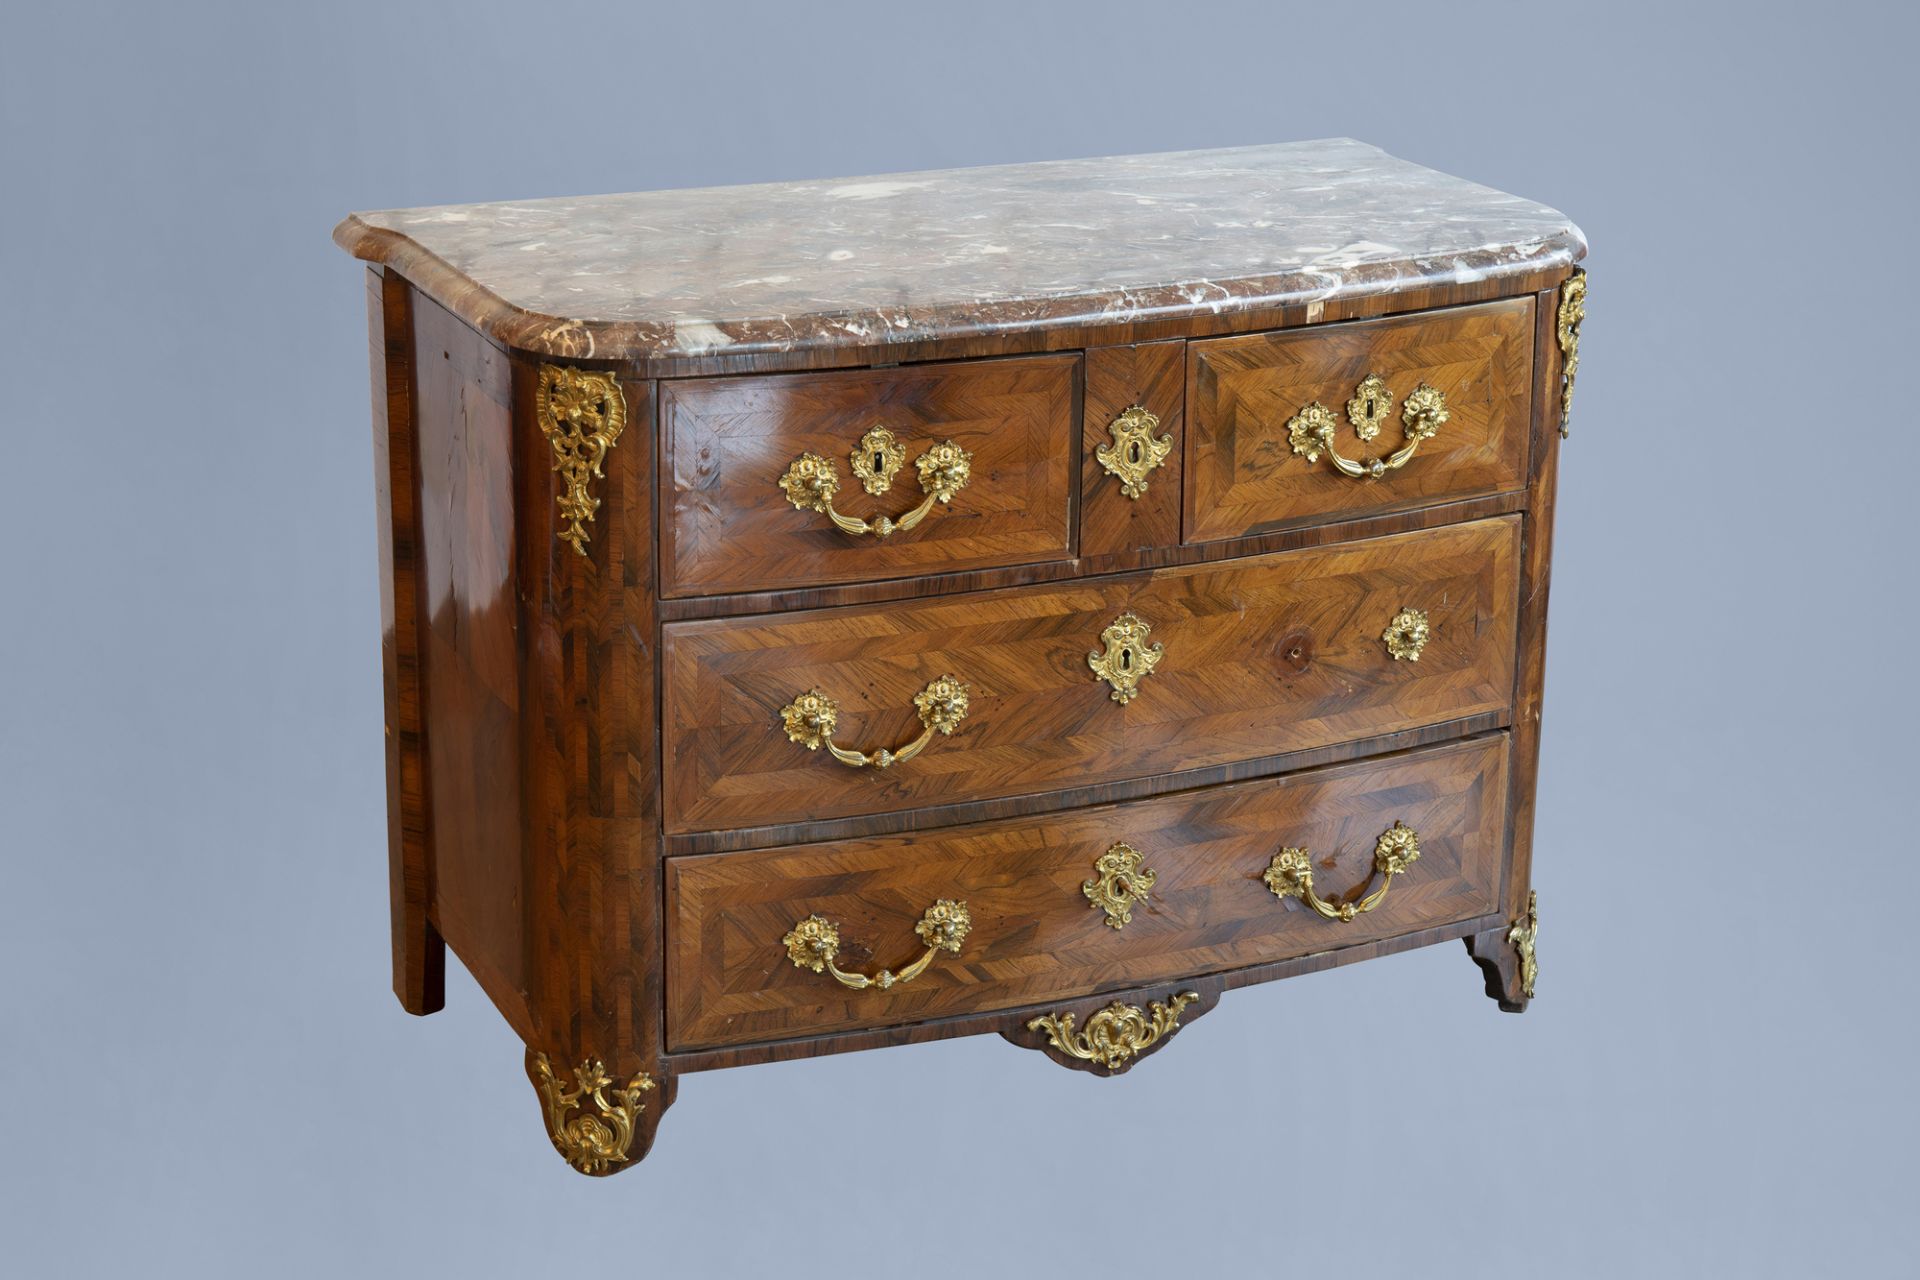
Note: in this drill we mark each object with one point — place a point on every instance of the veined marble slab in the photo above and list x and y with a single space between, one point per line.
911 257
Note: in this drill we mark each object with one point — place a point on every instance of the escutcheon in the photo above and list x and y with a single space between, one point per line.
877 459
1119 881
1371 406
1135 450
1128 658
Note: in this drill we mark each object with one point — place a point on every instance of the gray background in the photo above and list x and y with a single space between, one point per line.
203 1070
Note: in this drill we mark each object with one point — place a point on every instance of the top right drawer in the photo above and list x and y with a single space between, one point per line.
1352 420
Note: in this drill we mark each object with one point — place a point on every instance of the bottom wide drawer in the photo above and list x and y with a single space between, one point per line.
779 943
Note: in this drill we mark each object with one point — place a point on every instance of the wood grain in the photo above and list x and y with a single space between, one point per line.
1011 1023
472 656
727 526
1242 475
1114 528
1035 935
590 760
1261 656
419 954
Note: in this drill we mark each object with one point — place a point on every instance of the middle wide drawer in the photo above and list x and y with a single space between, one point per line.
871 709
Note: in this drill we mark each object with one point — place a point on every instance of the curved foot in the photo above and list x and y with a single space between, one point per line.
598 1122
1506 958
1113 1036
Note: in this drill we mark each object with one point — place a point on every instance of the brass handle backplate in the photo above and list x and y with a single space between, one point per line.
1310 431
1290 874
814 943
1407 634
811 718
812 481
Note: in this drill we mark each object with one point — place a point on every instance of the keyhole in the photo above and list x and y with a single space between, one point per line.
880 460
1369 406
1133 452
1126 659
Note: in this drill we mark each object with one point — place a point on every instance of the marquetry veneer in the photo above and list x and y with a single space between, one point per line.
826 616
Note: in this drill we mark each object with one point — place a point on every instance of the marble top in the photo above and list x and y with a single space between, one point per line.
909 257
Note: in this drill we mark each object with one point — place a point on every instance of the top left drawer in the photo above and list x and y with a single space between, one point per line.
872 443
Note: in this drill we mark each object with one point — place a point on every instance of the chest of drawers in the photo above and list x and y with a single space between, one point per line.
1036 599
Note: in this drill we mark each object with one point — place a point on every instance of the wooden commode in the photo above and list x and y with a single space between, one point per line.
1035 599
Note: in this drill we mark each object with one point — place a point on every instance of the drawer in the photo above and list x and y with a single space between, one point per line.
1250 400
728 523
1209 664
1034 930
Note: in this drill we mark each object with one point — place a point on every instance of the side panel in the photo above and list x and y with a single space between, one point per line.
472 660
419 956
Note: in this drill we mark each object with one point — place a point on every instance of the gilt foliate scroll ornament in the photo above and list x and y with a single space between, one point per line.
1128 658
1135 450
811 718
1119 881
1310 432
877 459
1521 937
592 1122
814 943
811 482
582 415
1116 1033
1573 310
1407 634
1290 874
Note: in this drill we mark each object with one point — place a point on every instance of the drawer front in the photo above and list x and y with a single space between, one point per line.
728 524
1256 657
1037 935
1244 475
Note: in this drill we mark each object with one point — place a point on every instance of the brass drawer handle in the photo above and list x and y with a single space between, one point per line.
1290 874
1310 431
814 943
810 720
812 481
